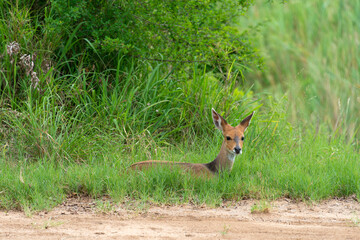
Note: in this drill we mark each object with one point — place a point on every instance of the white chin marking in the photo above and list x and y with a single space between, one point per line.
231 156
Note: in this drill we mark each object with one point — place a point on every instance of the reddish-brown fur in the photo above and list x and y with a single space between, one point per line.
231 146
198 168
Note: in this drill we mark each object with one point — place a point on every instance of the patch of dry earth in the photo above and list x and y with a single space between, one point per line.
81 219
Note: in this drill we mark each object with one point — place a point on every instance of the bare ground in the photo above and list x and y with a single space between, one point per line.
86 219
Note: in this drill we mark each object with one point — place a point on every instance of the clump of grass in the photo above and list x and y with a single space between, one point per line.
104 206
261 207
225 230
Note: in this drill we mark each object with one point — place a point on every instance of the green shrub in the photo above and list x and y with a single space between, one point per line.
164 30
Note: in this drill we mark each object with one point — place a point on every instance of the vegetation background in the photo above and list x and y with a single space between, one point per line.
89 87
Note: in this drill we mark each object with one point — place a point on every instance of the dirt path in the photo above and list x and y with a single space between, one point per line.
80 219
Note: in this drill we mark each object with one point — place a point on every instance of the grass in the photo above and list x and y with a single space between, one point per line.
261 207
297 166
312 55
225 230
81 131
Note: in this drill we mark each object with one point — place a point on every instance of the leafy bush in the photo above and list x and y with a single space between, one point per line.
174 31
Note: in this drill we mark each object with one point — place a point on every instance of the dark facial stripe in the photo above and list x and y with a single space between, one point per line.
237 139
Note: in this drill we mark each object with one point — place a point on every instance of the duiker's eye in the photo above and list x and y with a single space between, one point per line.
242 138
228 138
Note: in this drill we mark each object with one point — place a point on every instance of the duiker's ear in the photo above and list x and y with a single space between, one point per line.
245 123
219 121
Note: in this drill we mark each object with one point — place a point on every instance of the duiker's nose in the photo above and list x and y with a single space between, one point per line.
237 150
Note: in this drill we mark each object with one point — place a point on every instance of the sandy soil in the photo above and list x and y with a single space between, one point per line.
84 219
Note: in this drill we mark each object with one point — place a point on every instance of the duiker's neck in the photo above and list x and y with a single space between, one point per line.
223 162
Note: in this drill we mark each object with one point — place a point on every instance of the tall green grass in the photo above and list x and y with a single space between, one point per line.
71 117
311 51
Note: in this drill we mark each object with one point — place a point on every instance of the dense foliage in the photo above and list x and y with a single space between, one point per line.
176 31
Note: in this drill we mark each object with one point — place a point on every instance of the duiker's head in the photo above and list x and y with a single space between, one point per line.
233 136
